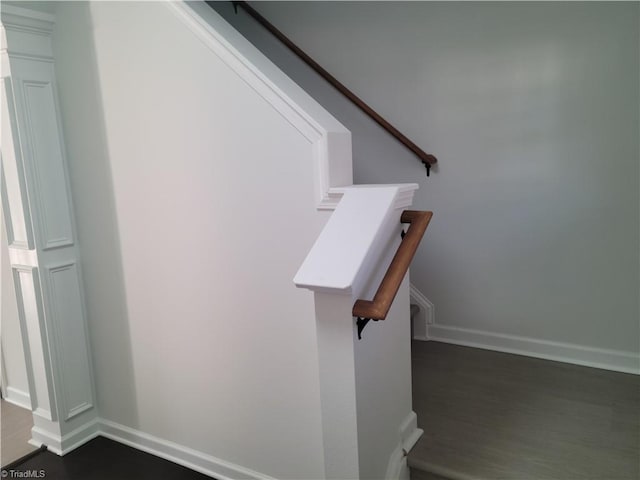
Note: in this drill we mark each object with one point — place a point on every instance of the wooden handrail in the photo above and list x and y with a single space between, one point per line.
424 157
378 308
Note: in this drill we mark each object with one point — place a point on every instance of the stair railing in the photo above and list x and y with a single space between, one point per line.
378 308
427 159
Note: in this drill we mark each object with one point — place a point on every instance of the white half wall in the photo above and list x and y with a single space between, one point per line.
368 422
532 110
197 202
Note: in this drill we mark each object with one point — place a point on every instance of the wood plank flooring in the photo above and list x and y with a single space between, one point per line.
486 415
104 459
490 415
16 432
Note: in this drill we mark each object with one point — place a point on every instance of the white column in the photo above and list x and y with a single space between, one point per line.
365 386
43 249
337 385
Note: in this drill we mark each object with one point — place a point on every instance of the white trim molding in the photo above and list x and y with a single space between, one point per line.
425 317
614 360
18 397
409 434
331 141
187 457
397 468
162 448
61 445
43 253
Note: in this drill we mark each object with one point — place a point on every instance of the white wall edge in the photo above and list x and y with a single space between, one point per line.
18 397
626 362
331 141
176 453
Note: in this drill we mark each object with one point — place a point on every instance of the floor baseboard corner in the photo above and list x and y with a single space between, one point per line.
625 362
18 398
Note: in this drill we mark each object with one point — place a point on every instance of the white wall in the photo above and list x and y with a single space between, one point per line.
193 216
14 367
90 175
532 110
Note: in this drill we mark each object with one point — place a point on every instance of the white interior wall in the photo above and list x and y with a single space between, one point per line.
14 367
193 218
532 110
91 181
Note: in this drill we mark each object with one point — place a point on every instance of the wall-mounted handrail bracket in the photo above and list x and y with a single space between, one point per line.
424 157
361 323
378 308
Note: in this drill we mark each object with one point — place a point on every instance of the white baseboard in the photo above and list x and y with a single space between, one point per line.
425 317
408 435
187 457
18 398
67 443
206 464
409 432
179 454
397 468
614 360
626 362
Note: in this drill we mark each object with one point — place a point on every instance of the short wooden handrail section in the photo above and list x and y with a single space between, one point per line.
426 158
378 308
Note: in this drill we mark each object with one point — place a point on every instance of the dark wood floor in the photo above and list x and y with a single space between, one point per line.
492 415
103 459
486 415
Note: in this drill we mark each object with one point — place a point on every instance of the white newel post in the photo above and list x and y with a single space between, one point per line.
365 385
42 242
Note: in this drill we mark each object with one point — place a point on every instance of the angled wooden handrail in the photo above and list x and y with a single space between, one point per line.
378 308
424 157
